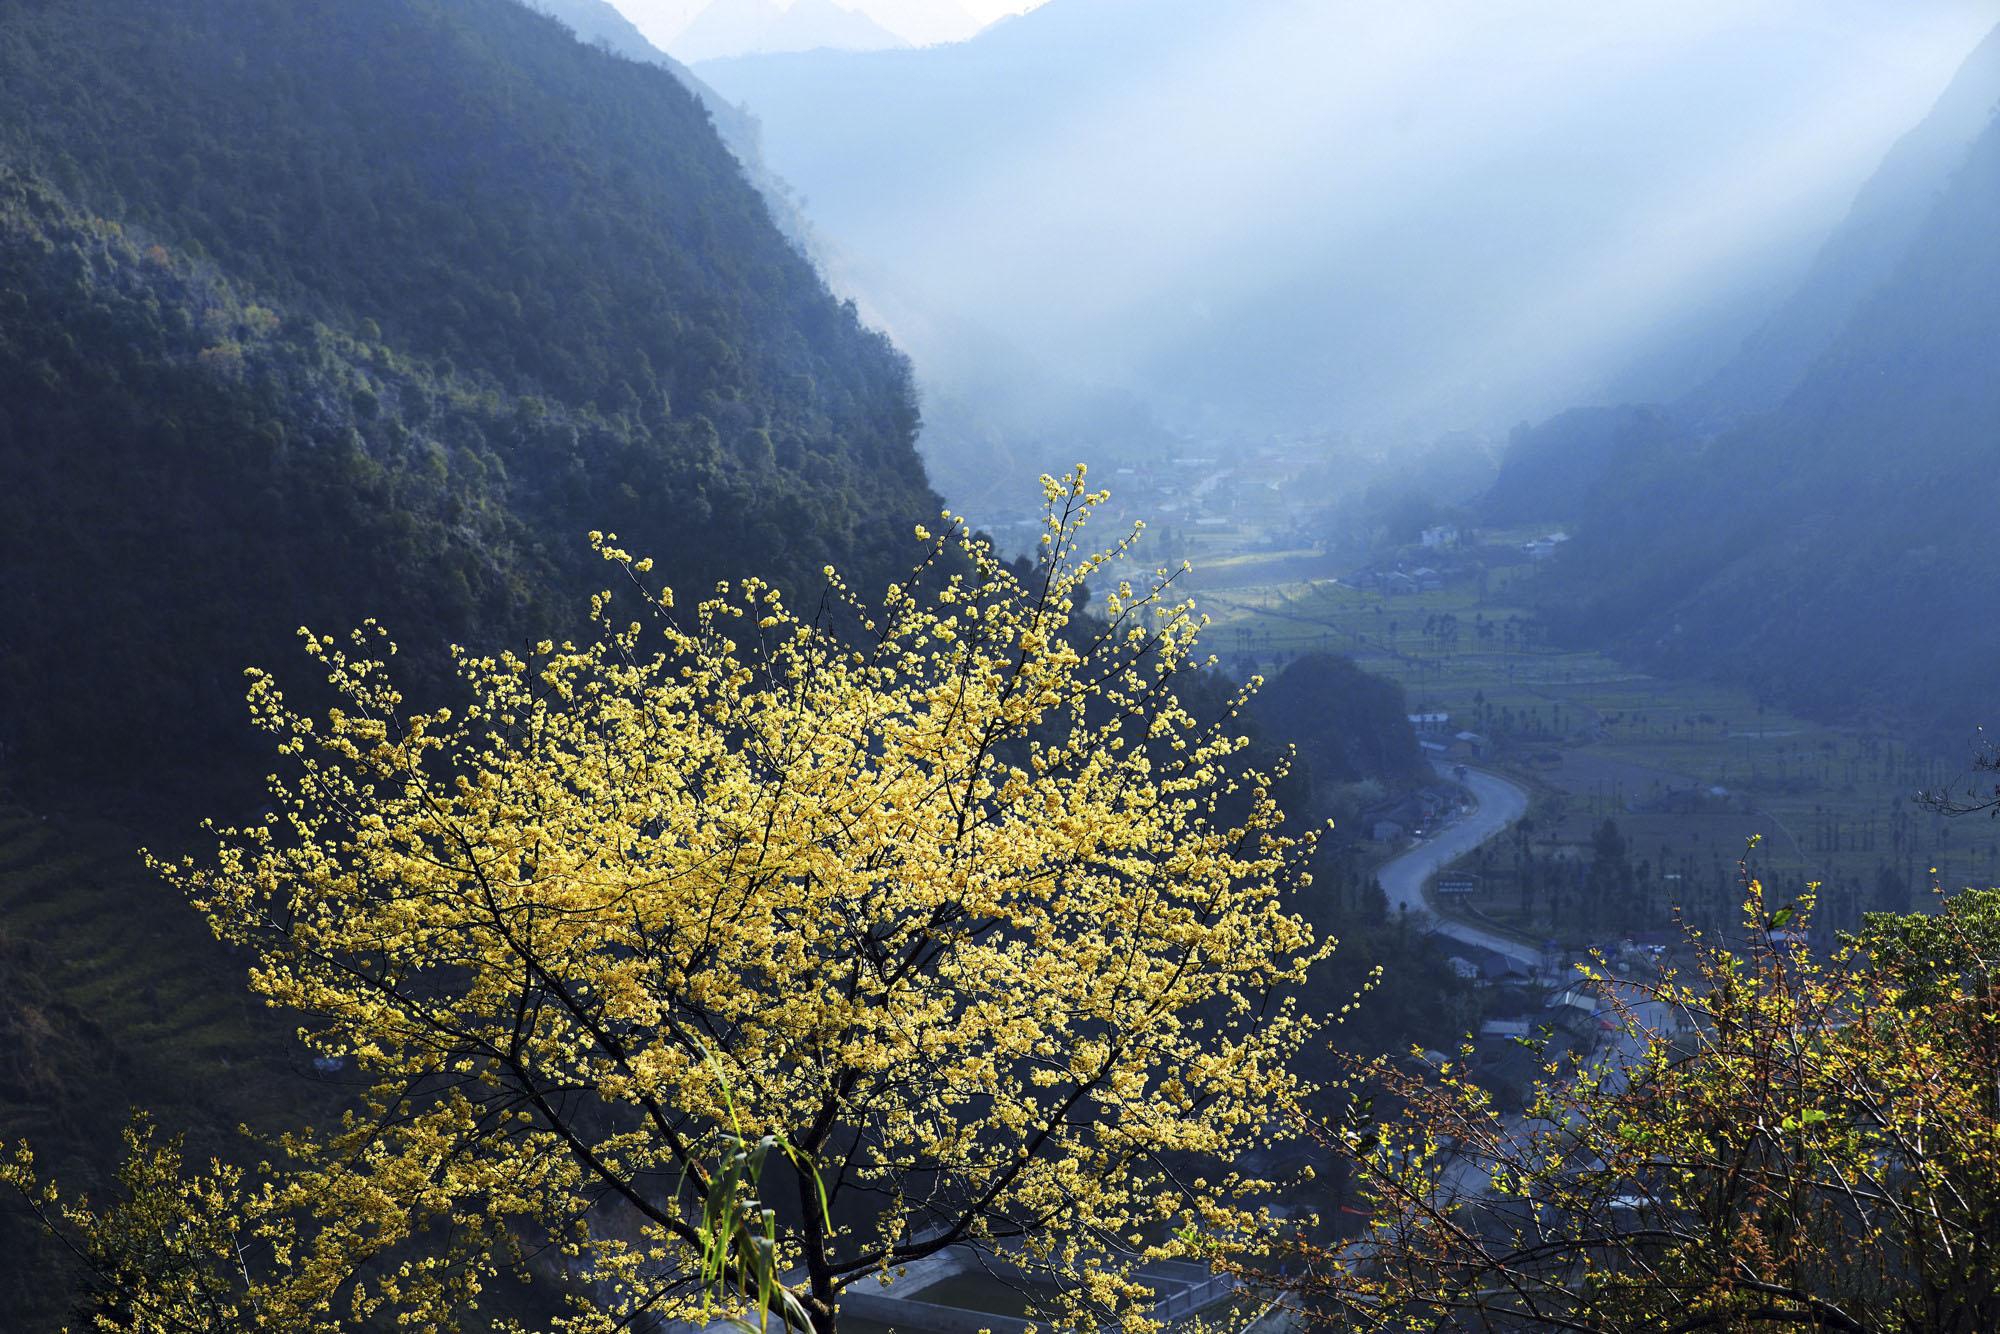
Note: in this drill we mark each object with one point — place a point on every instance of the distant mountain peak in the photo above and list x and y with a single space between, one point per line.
761 27
925 22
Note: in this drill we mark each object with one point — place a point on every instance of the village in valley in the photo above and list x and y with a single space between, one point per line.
1648 803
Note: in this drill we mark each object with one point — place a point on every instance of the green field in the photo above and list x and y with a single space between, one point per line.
1688 769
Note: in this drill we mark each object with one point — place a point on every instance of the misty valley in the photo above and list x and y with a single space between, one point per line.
948 665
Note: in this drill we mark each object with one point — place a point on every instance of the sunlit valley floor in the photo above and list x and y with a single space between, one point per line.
1688 771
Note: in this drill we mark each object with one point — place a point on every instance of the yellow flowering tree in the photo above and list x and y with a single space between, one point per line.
943 906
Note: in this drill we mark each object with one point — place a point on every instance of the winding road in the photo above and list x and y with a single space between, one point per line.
1500 803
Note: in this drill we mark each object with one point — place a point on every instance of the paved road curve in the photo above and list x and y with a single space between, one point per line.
1500 804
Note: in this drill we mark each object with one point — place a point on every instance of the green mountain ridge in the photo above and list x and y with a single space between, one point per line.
597 23
1833 551
311 313
421 330
1861 254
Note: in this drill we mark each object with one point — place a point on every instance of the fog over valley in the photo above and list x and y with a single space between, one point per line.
1383 221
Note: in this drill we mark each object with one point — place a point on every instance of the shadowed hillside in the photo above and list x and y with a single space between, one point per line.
311 313
1836 550
375 309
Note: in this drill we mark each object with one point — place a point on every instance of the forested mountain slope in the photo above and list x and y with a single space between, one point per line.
597 23
323 311
314 312
1838 549
1862 253
1551 470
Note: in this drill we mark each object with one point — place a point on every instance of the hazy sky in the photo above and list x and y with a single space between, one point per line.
984 10
660 20
1449 211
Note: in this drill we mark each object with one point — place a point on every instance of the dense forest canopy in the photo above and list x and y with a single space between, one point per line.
331 310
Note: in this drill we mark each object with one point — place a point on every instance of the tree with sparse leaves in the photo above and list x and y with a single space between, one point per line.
1779 1142
942 913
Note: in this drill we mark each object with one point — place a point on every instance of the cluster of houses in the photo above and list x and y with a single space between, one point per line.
1541 548
1398 579
1421 811
1442 741
1541 1016
1248 500
1403 817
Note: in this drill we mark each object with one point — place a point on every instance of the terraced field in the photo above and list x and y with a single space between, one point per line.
118 948
112 995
